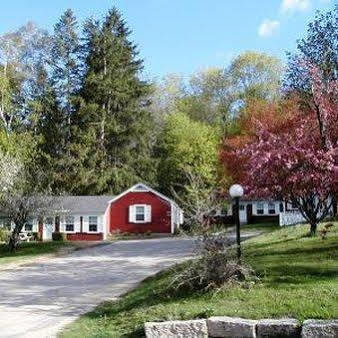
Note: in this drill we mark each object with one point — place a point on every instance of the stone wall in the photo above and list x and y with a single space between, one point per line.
229 327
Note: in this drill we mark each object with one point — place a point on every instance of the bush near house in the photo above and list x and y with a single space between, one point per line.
298 277
59 236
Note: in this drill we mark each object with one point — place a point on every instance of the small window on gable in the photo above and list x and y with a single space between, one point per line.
260 208
92 223
272 208
140 213
140 187
69 223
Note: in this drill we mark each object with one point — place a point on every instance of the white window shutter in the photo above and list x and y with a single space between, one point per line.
148 213
77 224
131 214
85 223
99 224
35 225
62 224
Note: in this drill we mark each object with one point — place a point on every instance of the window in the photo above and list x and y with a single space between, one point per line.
70 224
242 207
272 208
140 214
29 226
92 223
260 209
294 205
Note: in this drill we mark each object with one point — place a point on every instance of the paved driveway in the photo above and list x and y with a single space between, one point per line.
38 299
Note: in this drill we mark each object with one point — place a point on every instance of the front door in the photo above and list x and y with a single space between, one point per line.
48 226
242 213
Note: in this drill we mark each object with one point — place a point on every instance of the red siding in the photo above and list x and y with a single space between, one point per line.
84 237
160 213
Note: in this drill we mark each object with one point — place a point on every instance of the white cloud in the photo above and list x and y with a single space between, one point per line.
295 5
268 28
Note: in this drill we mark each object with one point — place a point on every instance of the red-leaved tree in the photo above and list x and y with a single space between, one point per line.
288 153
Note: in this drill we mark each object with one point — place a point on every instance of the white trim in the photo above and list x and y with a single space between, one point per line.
172 225
146 189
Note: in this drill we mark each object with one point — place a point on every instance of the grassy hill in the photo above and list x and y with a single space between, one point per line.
298 278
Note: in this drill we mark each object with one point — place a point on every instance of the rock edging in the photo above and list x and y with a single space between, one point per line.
229 327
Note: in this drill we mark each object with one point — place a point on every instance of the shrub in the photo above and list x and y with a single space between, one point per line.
215 266
37 236
324 232
59 236
4 235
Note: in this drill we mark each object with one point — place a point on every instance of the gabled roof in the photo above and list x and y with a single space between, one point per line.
141 187
82 204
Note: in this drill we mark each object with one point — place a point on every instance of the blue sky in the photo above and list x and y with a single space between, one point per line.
182 36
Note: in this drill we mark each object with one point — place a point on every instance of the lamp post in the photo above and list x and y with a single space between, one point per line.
236 192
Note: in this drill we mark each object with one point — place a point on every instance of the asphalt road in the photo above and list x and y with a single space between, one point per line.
37 300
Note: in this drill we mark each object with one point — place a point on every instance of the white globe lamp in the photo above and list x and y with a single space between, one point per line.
236 191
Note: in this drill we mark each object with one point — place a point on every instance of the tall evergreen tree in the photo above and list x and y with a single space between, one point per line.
46 123
65 64
114 105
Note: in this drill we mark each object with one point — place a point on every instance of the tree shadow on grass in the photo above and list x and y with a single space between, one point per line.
299 250
279 276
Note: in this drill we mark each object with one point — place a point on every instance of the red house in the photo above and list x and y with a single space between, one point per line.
139 209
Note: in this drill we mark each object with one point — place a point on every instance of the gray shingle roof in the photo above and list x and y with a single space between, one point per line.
82 204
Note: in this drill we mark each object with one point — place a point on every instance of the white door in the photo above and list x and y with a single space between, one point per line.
242 213
48 229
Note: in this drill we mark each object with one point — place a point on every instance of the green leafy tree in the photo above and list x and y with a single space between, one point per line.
255 75
188 148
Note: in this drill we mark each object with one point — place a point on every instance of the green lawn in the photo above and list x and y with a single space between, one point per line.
260 227
298 278
30 250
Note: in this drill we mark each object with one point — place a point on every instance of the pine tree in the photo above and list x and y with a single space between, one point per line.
114 105
65 64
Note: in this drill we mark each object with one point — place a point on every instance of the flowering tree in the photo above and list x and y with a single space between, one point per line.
292 156
21 197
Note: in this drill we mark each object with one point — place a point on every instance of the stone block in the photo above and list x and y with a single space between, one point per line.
320 328
177 329
228 327
278 328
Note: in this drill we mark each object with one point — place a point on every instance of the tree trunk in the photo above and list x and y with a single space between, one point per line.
313 229
14 240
